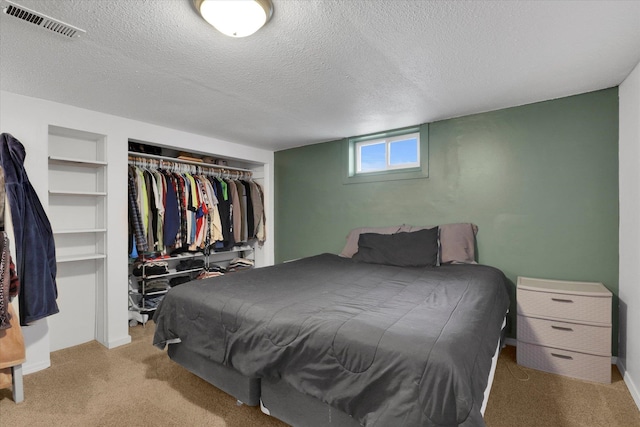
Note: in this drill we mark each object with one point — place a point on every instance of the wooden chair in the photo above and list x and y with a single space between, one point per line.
12 355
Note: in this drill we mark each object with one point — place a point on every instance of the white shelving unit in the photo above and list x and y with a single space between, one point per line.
77 170
138 313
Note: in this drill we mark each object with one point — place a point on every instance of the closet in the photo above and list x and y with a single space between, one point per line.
77 172
188 219
77 161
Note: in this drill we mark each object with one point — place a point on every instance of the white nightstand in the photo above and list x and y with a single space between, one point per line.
565 328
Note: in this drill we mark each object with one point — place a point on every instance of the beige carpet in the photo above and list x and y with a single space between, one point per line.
138 385
526 397
132 385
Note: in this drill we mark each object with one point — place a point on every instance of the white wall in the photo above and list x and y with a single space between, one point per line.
629 286
28 119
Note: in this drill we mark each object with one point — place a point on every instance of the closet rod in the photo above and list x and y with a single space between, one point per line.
189 162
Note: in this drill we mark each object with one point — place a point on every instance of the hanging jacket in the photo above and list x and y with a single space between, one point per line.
35 249
171 213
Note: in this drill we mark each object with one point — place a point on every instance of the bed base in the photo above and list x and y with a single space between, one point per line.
245 389
285 403
282 401
275 397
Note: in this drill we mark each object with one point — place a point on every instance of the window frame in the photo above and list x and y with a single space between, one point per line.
387 141
350 174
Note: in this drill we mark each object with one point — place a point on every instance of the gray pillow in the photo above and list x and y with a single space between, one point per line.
417 249
351 247
457 242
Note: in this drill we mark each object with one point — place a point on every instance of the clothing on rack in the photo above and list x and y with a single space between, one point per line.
177 207
258 231
242 200
152 301
236 211
204 274
179 280
35 248
216 268
154 285
190 264
152 268
136 226
237 264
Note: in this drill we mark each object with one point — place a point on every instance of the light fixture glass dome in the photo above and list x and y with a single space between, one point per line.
235 18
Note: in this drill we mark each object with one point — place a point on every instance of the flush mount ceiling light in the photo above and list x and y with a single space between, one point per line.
235 18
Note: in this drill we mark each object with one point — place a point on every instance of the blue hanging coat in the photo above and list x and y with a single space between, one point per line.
35 248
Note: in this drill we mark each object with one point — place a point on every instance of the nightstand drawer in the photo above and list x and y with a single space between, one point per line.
569 336
563 362
564 306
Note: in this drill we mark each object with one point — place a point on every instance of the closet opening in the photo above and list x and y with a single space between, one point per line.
191 216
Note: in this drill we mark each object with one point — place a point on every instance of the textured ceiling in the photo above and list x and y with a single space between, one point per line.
319 70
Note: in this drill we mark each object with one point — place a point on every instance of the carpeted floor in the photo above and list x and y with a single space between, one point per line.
522 397
138 385
132 385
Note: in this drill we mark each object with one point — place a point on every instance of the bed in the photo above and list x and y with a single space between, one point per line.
332 340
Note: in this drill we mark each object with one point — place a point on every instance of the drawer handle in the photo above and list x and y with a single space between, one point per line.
561 300
561 328
561 356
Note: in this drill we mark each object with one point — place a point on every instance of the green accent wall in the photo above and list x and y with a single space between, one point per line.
539 180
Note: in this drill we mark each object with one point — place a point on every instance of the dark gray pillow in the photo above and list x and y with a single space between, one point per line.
416 249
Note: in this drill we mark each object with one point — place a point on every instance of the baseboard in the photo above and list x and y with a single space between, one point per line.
117 343
30 368
633 389
514 342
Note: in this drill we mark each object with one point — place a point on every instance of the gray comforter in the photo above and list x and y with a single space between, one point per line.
390 346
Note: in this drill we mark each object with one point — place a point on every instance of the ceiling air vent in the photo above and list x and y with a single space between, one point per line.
41 20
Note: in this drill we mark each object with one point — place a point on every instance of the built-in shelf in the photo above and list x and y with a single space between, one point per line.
77 193
80 231
81 162
77 183
152 293
236 249
83 257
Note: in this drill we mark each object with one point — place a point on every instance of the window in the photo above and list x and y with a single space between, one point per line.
399 152
392 155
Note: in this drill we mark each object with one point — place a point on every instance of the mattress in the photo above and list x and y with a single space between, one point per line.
385 345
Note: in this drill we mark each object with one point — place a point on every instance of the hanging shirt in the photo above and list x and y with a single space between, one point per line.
250 224
259 212
135 221
224 209
236 213
242 196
